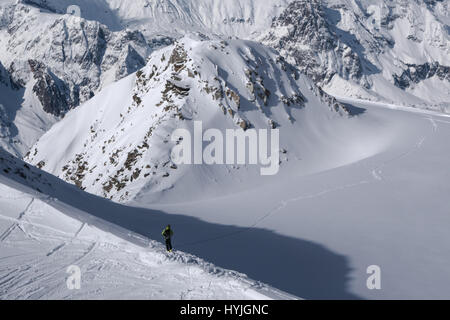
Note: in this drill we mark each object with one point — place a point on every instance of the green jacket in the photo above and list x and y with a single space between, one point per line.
167 233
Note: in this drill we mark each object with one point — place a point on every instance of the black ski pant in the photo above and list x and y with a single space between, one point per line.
168 244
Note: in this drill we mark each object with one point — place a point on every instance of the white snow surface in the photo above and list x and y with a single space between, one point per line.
314 235
41 236
389 209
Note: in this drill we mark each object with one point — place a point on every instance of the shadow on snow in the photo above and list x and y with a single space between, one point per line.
303 268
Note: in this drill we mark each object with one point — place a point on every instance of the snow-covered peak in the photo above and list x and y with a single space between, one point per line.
241 18
59 61
394 51
361 48
118 144
83 54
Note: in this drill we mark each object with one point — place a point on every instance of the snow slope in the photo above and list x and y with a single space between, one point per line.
390 209
361 183
41 235
323 229
119 145
352 191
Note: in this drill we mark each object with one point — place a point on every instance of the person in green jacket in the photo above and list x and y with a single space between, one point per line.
167 233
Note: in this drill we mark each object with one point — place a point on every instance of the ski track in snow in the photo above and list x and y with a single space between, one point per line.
75 249
16 224
375 172
277 208
113 268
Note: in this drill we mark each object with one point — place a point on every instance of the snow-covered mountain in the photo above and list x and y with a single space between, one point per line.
363 178
395 51
392 51
240 18
59 62
119 143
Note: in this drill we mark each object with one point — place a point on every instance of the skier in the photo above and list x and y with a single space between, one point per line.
167 233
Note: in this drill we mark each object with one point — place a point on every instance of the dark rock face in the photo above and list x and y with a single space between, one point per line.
51 91
42 4
306 18
416 73
10 95
132 63
69 58
327 38
432 3
7 80
310 40
4 75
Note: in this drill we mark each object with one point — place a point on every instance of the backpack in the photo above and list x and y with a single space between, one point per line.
167 233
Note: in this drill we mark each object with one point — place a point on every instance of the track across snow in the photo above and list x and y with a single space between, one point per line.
322 230
389 209
38 243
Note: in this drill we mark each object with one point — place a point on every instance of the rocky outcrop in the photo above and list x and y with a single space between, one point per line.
348 46
190 81
4 76
7 80
414 73
70 58
304 35
52 92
